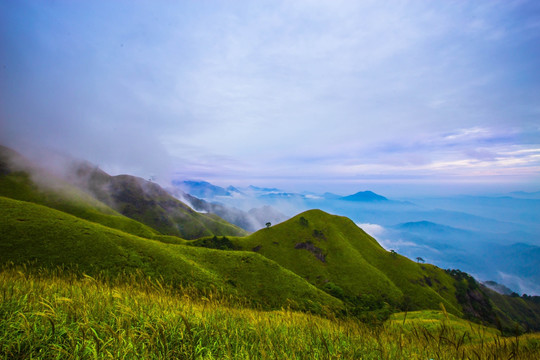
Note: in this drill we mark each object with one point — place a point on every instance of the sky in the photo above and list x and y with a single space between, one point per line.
313 95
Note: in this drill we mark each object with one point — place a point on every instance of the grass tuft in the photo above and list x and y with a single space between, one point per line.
54 313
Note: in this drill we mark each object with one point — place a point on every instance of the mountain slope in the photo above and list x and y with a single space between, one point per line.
148 203
47 237
58 194
88 192
332 253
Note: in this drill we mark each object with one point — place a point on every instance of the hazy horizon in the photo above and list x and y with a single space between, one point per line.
405 99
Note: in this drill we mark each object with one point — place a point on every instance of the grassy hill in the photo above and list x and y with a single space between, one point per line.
51 238
68 198
149 204
92 194
516 310
334 254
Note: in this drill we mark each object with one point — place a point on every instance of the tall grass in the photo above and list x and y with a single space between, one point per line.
56 314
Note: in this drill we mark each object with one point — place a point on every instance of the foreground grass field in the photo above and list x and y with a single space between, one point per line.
52 314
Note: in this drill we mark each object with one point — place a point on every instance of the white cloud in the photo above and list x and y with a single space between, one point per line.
516 283
304 89
374 230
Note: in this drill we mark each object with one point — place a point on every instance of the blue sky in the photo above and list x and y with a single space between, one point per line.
334 95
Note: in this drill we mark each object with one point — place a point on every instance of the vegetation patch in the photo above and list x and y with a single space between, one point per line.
51 313
317 252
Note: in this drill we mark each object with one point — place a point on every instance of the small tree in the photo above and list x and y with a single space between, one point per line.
393 252
419 259
268 224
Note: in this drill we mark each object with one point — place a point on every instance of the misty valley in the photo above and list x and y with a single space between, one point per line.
494 238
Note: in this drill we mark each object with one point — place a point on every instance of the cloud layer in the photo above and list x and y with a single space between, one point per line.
342 91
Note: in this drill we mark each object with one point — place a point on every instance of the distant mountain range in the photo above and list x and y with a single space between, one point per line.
450 238
526 195
203 189
206 190
483 254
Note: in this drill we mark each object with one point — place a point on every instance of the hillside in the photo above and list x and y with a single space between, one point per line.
90 193
51 238
21 184
334 254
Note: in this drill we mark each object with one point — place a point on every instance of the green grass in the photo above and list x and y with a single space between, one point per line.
434 320
56 314
511 310
148 203
344 258
141 207
48 237
59 195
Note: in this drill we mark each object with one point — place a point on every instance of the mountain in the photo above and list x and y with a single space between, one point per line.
331 196
526 195
420 226
364 196
262 189
500 257
231 189
22 181
88 192
500 288
150 204
333 253
281 196
51 238
201 189
252 220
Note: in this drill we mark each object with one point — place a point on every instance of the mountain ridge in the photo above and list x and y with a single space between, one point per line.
90 192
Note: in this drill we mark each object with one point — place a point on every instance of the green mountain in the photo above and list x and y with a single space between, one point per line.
148 203
20 181
334 254
48 237
92 194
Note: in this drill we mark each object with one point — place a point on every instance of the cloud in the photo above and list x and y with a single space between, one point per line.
374 230
277 90
389 241
519 284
